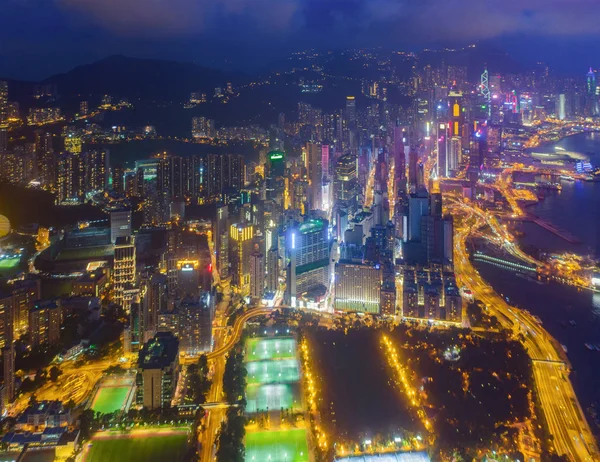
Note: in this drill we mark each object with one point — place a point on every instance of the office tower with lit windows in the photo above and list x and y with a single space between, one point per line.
358 287
7 317
95 170
44 322
3 117
25 293
351 111
8 363
83 108
240 248
454 151
257 275
561 106
346 181
45 159
222 240
223 172
120 224
154 292
157 372
275 177
124 271
308 270
442 150
73 143
203 128
69 177
314 168
195 325
118 179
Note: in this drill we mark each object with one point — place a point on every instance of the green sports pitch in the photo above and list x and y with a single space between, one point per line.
277 446
9 263
272 397
138 449
110 399
278 371
258 349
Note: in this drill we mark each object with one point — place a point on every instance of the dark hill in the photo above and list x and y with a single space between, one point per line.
135 78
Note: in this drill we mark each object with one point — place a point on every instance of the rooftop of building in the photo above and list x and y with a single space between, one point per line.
312 226
90 277
159 352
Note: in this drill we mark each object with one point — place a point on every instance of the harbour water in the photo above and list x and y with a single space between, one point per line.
572 316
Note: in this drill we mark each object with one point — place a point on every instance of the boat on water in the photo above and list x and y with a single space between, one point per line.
564 347
589 346
538 320
572 323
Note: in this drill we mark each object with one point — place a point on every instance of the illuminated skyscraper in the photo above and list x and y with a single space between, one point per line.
561 107
307 248
240 242
257 275
124 272
44 323
46 161
442 150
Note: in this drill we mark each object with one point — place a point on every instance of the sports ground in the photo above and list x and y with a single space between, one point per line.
284 370
258 349
272 397
110 399
113 394
140 447
277 446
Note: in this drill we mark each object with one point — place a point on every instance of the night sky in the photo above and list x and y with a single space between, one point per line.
41 37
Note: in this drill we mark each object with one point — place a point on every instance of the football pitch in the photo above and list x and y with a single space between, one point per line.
277 446
9 263
110 399
259 349
272 397
277 371
138 449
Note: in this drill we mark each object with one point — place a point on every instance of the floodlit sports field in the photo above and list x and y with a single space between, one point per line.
277 446
258 349
110 399
9 263
272 397
283 370
140 448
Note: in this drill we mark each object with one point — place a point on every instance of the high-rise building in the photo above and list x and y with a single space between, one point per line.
240 242
83 108
124 272
308 271
203 128
120 224
25 293
346 182
157 373
442 150
118 179
44 323
351 110
6 319
45 159
155 296
222 240
96 170
257 275
8 363
195 325
275 177
561 107
314 167
358 287
223 172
